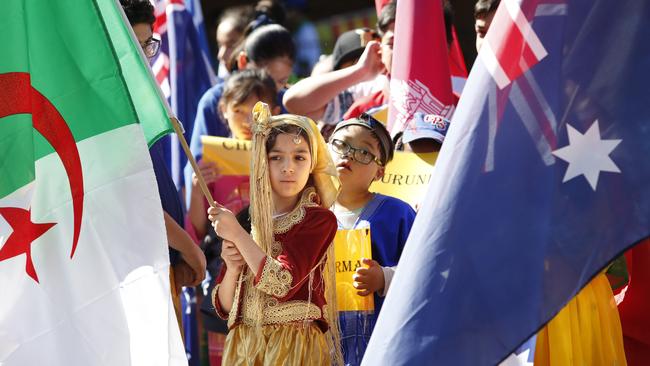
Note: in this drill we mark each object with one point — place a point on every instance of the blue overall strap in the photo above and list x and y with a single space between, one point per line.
370 208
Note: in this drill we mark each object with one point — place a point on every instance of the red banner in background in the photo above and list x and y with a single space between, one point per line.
420 77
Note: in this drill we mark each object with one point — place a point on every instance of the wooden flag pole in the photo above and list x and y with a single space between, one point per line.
204 187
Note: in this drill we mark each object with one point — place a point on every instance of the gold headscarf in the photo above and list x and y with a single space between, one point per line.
325 179
323 170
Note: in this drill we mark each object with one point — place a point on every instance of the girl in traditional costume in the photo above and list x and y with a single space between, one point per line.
277 287
240 93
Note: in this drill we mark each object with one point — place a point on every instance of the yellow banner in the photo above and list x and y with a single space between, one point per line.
232 156
407 176
350 246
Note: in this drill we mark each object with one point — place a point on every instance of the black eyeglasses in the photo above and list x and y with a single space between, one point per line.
151 47
364 157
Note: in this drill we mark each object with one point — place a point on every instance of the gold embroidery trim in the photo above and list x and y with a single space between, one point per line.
276 249
275 312
275 280
285 223
213 296
291 311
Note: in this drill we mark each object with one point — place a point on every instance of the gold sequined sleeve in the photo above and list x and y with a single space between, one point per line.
273 279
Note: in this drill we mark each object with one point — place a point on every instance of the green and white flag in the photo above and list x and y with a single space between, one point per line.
84 264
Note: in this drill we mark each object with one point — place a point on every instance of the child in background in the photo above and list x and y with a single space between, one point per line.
270 48
241 92
361 148
273 288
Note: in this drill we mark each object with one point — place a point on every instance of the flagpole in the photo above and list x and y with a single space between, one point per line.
176 124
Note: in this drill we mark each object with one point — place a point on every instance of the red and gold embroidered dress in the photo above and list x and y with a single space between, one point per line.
294 314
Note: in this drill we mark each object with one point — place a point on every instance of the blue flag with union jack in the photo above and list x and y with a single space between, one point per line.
543 179
183 69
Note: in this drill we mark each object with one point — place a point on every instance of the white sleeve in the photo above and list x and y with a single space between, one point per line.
369 87
388 277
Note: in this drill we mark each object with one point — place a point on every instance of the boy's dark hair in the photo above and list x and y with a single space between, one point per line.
138 11
381 134
483 7
386 17
245 83
288 129
268 42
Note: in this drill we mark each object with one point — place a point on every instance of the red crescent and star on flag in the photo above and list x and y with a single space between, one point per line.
17 96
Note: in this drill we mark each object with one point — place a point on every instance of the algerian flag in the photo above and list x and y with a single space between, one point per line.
84 263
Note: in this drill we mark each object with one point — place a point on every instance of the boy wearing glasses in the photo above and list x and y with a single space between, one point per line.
361 148
187 261
141 17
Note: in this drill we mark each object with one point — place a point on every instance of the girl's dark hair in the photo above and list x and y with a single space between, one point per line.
138 11
263 45
268 42
245 83
288 129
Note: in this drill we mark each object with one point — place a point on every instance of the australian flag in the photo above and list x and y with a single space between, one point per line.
527 205
183 69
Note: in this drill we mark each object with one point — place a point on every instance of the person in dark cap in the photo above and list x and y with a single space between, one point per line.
350 45
325 97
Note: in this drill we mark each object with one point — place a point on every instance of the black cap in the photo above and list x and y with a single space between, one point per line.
350 45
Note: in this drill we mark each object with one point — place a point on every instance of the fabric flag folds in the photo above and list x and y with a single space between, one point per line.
84 264
420 85
457 67
495 253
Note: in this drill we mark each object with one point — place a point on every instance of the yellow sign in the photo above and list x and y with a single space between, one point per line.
232 156
407 176
380 114
350 246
